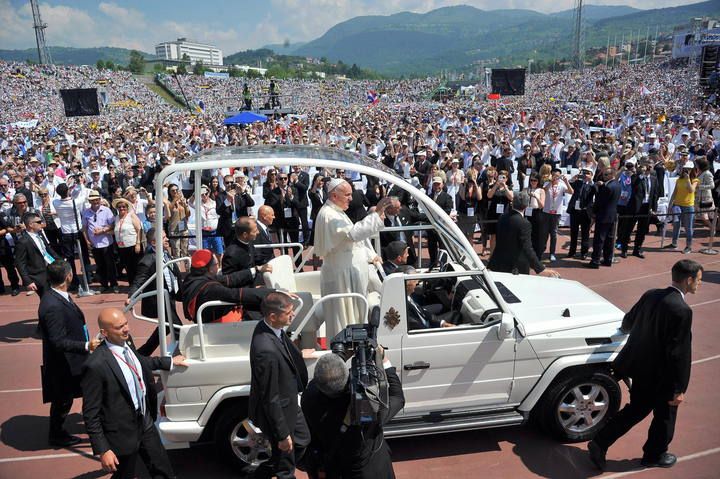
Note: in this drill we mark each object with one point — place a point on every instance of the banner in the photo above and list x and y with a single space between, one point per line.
217 74
25 124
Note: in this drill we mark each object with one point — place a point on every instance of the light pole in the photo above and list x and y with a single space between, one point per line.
530 62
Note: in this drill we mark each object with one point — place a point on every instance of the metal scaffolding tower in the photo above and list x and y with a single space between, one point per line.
39 26
579 37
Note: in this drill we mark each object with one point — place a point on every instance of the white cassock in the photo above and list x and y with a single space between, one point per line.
345 255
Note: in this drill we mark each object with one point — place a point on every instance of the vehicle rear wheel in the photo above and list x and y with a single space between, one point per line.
575 408
234 443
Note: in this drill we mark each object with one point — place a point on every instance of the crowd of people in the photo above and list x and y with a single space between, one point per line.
570 138
607 151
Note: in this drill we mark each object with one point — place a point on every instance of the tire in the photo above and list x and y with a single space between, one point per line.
232 440
575 408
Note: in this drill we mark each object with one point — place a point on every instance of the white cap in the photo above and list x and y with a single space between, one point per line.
334 183
689 164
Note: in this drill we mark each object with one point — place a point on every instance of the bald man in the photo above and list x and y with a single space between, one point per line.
266 216
346 254
120 402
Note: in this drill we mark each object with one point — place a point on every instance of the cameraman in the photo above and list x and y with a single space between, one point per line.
355 451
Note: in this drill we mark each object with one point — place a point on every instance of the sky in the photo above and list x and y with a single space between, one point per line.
230 25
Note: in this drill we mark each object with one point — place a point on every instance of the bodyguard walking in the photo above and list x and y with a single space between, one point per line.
278 376
657 359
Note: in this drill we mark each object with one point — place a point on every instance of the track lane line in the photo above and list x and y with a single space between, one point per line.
689 457
608 283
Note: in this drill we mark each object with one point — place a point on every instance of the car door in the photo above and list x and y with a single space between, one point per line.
465 367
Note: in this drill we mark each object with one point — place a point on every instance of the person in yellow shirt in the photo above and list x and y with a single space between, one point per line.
682 204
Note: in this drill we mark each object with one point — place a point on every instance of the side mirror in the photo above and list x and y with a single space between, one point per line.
506 326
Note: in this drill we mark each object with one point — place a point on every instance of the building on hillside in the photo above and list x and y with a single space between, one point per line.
197 52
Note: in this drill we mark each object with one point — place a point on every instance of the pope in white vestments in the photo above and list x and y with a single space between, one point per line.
346 255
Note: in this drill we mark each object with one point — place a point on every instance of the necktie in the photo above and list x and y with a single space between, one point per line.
136 381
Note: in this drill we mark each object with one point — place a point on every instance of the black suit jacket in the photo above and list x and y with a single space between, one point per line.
278 203
639 187
29 260
658 350
582 198
444 201
263 255
278 375
317 200
513 247
145 269
239 258
243 204
606 201
62 327
416 314
108 411
359 452
407 217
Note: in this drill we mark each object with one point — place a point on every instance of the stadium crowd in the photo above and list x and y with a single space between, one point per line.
564 142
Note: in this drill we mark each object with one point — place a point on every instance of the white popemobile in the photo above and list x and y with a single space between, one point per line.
525 346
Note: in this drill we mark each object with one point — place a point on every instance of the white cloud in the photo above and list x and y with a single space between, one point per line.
126 17
113 24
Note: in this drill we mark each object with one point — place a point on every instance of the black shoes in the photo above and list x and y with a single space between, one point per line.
623 254
639 254
597 455
592 265
65 440
15 291
665 460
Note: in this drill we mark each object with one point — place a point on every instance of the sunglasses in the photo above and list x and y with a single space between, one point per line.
283 178
38 222
42 195
21 202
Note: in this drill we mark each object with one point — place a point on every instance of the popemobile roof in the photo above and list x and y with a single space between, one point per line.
280 152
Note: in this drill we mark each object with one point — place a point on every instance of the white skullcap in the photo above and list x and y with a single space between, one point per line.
334 183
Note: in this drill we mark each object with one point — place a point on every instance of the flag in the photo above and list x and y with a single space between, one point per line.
372 97
644 91
200 106
493 96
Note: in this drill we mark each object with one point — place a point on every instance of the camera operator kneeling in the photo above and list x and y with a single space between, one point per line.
343 449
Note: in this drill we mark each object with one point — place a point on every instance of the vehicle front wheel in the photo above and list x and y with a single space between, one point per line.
575 408
235 444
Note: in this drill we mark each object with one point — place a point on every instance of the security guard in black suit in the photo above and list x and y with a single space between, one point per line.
120 402
66 345
279 375
643 202
657 357
513 249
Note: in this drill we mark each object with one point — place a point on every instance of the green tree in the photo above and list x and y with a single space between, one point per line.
181 69
137 62
100 65
199 68
159 67
109 65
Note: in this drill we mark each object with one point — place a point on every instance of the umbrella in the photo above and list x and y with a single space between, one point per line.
244 118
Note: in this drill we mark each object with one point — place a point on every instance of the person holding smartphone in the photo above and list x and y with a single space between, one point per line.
555 190
682 205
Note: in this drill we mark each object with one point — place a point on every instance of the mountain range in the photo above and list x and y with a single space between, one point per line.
74 56
455 37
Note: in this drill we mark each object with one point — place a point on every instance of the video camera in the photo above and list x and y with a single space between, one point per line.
369 396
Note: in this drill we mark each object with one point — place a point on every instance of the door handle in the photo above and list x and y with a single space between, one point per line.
416 365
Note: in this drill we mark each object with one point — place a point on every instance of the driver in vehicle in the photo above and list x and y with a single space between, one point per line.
396 255
419 317
203 284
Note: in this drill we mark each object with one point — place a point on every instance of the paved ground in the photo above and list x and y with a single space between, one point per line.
502 453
